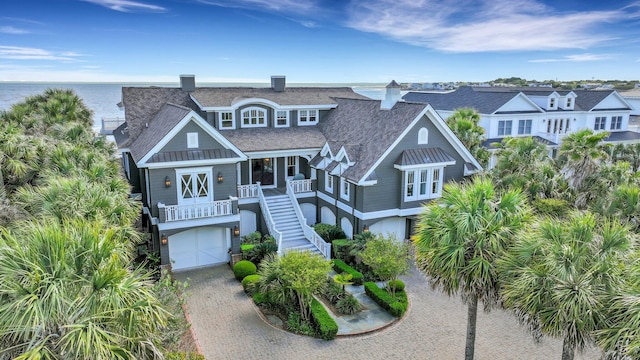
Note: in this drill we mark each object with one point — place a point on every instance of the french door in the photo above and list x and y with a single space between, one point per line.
195 186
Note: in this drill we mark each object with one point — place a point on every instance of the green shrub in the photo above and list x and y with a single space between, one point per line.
259 251
339 266
181 355
260 299
248 283
395 305
329 232
348 305
243 268
296 325
398 285
333 291
252 239
341 249
551 207
327 327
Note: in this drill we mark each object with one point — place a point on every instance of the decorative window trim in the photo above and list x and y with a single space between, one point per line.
260 120
552 103
502 127
525 126
344 189
600 123
192 140
423 136
308 117
194 172
616 123
222 119
328 182
423 183
295 166
276 118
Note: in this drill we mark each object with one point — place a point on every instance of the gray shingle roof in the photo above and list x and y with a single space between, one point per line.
366 131
465 96
228 96
169 156
622 136
423 157
488 143
158 127
588 99
266 139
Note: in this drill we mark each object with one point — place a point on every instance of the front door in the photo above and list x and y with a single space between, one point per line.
262 171
195 187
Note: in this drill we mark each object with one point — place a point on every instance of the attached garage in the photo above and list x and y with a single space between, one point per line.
199 247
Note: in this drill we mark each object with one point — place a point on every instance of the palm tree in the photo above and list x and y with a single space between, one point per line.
580 156
66 292
557 277
464 123
459 238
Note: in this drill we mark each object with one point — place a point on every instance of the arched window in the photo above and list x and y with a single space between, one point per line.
423 136
254 117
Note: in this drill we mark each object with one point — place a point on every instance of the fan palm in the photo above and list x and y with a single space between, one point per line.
557 277
464 123
459 238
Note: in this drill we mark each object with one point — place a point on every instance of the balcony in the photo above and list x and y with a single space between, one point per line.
171 213
250 191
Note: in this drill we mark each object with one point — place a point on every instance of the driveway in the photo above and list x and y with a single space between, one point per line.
227 326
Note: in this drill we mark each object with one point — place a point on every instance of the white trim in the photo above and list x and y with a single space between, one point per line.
296 166
387 213
305 195
345 195
220 120
275 171
328 176
244 201
194 171
423 136
326 149
198 222
175 164
326 198
147 187
275 118
440 124
192 140
308 122
526 98
257 109
423 166
280 153
343 206
262 101
192 115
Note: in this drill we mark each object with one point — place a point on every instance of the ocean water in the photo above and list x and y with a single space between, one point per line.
103 98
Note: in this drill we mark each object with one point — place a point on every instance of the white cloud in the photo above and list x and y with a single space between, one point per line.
12 30
26 53
127 5
283 6
481 26
576 58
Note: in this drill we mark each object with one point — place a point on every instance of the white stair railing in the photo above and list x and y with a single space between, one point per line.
197 211
248 191
301 186
271 225
309 233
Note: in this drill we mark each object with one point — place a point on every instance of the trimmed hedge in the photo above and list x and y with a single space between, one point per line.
341 249
339 266
396 306
326 326
243 268
329 232
249 281
398 284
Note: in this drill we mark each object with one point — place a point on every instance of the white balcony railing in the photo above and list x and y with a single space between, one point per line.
301 186
197 211
110 124
248 191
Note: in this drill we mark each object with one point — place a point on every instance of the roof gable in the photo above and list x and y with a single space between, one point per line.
519 103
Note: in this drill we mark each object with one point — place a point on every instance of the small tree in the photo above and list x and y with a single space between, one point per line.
388 258
343 279
306 274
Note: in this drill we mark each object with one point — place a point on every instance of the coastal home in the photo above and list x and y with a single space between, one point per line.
211 164
546 114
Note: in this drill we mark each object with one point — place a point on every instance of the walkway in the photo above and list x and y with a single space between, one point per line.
228 327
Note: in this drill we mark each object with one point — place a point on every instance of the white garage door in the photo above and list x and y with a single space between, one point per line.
392 226
199 247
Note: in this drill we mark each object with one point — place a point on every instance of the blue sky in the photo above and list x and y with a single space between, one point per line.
318 41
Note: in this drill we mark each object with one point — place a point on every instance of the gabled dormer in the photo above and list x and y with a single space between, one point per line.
568 101
553 100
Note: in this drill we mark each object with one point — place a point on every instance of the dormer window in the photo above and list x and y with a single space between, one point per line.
282 118
226 120
307 117
552 103
569 102
254 117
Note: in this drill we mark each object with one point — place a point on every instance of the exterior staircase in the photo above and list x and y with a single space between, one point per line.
287 223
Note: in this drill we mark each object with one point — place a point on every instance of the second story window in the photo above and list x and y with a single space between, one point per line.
307 117
524 127
616 123
600 123
504 127
344 189
226 120
552 103
254 117
328 182
282 118
569 103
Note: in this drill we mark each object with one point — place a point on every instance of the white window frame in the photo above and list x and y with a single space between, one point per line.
569 102
276 118
504 127
344 189
552 103
221 120
305 115
600 123
524 124
423 136
258 110
192 140
413 178
328 182
294 166
616 123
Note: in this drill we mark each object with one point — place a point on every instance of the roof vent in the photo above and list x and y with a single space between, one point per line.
391 96
188 83
278 83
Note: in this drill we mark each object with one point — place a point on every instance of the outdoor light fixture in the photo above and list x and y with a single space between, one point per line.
220 178
164 240
167 182
236 231
366 228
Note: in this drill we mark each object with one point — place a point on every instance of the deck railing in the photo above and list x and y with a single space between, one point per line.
110 124
197 211
271 225
300 186
248 191
309 232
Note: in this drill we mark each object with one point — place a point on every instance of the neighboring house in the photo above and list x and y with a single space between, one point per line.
211 164
546 114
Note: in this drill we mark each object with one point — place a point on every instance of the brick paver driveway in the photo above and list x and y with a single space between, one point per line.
227 326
